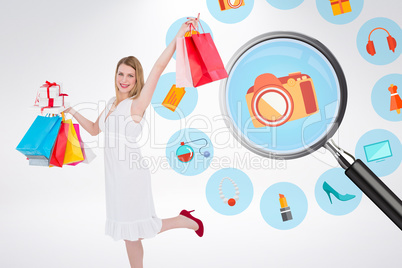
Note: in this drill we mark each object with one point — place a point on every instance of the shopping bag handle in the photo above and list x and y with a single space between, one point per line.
196 29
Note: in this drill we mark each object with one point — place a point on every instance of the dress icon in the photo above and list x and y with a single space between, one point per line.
130 212
396 102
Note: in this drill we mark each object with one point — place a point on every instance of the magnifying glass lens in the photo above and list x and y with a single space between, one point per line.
285 95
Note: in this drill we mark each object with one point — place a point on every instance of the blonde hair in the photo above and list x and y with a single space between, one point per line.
134 63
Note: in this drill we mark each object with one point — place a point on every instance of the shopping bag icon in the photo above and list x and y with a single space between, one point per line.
173 98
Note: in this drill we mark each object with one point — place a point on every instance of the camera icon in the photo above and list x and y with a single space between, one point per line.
230 4
273 101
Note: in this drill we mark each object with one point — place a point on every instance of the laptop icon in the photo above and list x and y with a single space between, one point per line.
378 151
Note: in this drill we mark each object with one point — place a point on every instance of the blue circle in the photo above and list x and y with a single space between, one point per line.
381 97
197 140
332 13
380 150
174 28
221 11
288 4
243 183
280 57
379 37
186 105
271 208
349 195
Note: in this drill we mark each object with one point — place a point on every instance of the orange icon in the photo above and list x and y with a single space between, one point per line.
230 4
173 97
396 102
274 101
340 7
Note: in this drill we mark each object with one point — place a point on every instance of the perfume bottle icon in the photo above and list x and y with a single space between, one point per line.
185 152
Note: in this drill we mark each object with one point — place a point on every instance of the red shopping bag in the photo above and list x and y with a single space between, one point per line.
205 62
59 149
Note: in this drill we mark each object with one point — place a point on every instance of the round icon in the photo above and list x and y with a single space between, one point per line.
174 28
189 151
289 4
379 41
283 206
171 102
276 97
230 11
386 97
340 12
336 194
229 191
380 150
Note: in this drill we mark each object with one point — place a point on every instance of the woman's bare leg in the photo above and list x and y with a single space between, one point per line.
135 253
135 250
178 222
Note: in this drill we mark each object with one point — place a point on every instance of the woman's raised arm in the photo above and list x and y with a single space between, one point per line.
149 88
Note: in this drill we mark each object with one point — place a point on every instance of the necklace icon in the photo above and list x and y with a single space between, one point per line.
230 201
185 152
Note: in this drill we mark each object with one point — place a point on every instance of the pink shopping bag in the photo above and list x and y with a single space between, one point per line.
183 72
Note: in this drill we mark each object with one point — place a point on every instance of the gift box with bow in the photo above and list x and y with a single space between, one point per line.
340 7
49 90
49 95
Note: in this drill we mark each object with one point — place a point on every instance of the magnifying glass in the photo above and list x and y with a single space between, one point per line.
285 97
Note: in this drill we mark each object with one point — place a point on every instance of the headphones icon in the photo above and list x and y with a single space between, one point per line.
370 45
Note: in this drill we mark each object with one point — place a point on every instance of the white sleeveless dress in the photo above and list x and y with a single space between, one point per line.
130 212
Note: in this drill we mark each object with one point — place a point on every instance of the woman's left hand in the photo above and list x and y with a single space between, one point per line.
186 26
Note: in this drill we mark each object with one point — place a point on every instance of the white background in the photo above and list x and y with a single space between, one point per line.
51 217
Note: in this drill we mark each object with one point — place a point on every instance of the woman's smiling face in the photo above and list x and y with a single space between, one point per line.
125 78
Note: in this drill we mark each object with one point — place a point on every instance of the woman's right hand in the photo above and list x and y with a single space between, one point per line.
68 110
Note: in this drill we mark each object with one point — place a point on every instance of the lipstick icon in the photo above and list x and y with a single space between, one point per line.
285 210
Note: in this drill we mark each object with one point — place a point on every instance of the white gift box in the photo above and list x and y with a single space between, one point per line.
52 102
54 91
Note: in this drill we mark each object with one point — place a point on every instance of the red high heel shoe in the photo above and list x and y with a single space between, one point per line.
200 231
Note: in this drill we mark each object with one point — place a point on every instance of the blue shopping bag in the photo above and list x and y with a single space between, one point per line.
40 137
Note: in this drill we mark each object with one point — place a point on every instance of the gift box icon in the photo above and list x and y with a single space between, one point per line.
340 7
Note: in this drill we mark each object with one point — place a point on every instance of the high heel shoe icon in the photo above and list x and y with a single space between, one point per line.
329 190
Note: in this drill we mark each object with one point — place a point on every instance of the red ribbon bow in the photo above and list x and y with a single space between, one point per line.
49 85
51 100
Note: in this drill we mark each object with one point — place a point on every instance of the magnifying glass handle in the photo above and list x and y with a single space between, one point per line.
376 190
370 184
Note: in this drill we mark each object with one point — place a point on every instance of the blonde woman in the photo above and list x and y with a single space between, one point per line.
129 204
